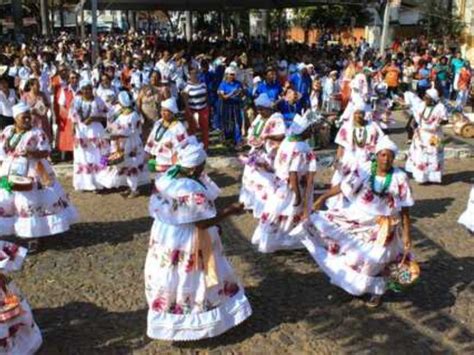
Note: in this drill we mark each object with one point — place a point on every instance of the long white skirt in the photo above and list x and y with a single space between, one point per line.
343 243
36 213
467 217
257 184
88 162
426 159
181 306
277 220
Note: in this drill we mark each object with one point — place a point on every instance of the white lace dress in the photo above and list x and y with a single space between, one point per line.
43 211
191 288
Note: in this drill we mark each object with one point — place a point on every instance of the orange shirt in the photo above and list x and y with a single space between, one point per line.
391 76
464 80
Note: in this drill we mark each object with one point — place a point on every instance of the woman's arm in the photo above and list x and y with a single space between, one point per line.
406 223
39 154
333 191
309 188
235 208
295 187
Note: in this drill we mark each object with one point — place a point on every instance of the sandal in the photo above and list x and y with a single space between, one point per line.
33 246
133 194
374 301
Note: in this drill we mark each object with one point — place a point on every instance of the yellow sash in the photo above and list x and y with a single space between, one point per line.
387 224
203 247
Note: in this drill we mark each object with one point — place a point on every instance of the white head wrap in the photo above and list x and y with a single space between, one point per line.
170 105
19 108
299 124
386 143
84 83
283 64
433 93
192 155
256 80
263 101
230 70
333 72
301 66
124 99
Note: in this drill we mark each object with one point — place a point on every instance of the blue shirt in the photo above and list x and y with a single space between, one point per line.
424 82
457 64
228 87
301 84
273 90
289 111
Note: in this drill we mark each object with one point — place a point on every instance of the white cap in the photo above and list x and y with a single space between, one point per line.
83 83
433 93
385 143
263 101
19 108
230 70
170 105
299 124
124 99
333 72
192 155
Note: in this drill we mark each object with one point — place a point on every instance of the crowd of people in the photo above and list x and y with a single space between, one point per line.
145 112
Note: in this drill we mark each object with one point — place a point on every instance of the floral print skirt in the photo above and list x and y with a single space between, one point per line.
348 248
41 212
182 304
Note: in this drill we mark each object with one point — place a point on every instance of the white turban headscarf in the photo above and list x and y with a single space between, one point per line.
192 155
385 143
20 108
170 105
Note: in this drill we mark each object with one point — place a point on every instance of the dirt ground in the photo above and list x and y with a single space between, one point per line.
87 293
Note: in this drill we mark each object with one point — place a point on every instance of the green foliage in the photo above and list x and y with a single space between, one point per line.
329 16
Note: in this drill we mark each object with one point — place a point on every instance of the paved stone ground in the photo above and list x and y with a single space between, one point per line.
86 287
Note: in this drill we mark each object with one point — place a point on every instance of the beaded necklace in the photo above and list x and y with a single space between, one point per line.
161 130
386 183
429 115
257 130
359 141
14 140
81 111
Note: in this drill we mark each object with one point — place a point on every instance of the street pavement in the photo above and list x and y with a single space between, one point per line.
87 292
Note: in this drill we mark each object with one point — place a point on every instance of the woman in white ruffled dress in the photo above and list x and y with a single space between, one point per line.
45 209
191 288
19 334
356 140
124 126
355 245
88 114
167 137
467 217
264 137
291 198
426 155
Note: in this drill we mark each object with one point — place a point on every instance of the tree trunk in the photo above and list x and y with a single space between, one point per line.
44 17
17 18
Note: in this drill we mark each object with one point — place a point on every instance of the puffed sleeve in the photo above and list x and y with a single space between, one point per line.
342 137
352 183
405 196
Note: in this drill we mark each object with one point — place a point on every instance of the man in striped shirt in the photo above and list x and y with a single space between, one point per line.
196 106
